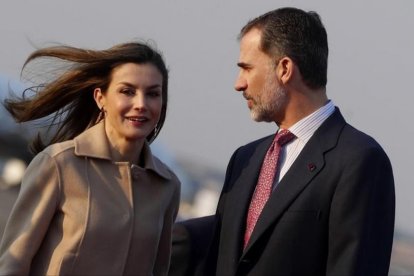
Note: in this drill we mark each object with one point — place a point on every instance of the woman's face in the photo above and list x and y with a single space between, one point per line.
132 102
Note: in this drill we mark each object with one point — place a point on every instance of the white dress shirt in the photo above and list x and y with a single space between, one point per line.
303 130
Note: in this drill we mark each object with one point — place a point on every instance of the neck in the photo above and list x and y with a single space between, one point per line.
126 152
123 150
302 104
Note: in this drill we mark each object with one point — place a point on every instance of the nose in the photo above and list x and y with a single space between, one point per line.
240 84
140 100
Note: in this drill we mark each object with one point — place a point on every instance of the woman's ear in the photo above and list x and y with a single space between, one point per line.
98 96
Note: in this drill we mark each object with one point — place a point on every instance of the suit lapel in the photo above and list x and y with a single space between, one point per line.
307 165
238 200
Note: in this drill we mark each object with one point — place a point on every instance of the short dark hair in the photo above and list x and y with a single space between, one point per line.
299 35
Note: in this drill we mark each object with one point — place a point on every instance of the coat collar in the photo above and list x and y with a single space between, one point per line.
93 143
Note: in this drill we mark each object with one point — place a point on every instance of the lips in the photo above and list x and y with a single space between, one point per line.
250 101
137 119
246 96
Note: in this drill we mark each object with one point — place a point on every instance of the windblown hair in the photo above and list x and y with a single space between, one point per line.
299 35
68 98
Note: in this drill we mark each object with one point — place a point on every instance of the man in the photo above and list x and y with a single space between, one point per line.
331 204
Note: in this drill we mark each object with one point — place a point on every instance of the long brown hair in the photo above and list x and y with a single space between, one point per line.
68 98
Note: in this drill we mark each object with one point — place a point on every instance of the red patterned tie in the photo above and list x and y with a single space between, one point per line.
265 182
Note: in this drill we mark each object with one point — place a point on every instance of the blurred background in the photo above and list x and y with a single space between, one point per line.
369 79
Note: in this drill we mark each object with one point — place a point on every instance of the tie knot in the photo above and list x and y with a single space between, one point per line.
284 136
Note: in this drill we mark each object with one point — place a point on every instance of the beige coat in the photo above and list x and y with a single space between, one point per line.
79 213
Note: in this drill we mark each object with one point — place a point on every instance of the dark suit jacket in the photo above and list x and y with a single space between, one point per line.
190 241
331 214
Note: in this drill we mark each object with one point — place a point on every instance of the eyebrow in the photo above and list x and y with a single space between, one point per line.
243 65
149 87
154 86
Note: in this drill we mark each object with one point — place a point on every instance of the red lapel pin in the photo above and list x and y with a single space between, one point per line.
311 167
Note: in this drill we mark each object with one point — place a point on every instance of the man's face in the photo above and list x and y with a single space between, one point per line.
257 79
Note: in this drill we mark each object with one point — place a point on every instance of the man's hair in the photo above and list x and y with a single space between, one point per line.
298 35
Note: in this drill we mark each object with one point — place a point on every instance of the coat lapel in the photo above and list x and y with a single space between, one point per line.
307 165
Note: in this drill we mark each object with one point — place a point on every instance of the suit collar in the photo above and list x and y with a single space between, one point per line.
307 165
94 143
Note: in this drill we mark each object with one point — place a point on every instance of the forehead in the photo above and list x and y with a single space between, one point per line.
250 46
134 72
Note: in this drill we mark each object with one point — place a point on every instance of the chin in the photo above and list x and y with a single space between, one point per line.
257 117
137 137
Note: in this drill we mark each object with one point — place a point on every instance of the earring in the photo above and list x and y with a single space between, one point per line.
155 131
101 115
154 134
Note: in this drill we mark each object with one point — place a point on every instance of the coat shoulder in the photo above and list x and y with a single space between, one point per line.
166 170
56 149
356 140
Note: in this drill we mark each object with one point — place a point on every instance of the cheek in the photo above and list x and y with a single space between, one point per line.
256 81
116 110
156 107
121 106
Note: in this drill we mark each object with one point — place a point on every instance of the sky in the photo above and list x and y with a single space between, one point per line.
369 76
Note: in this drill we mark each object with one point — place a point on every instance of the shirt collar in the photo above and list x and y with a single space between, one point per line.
306 127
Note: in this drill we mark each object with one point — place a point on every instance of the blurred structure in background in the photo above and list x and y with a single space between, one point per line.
402 258
200 185
14 153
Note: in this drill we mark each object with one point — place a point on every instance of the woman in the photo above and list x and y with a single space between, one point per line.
94 200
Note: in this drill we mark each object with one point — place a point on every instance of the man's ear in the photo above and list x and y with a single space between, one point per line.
98 96
285 69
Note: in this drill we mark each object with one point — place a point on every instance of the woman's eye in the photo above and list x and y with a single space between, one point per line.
127 91
154 93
